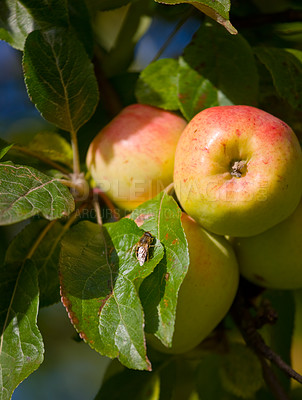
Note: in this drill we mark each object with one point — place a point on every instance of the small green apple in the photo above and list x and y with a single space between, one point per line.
238 170
207 291
132 158
273 259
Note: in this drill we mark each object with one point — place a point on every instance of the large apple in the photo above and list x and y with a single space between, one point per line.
238 170
132 158
207 291
273 259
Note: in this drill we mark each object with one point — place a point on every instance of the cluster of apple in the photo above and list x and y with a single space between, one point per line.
237 173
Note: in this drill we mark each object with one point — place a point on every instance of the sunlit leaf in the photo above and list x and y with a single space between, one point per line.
195 91
4 147
15 23
157 84
159 291
48 13
25 192
100 277
216 9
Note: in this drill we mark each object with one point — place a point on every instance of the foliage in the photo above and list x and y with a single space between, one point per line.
243 53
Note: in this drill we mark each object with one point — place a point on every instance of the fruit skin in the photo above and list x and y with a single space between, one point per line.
207 291
132 158
270 187
273 259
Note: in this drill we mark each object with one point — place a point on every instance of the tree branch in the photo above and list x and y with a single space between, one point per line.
177 27
248 325
271 380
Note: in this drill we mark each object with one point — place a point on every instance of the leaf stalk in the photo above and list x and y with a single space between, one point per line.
75 151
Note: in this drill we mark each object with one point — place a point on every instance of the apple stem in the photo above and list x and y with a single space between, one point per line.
239 168
97 209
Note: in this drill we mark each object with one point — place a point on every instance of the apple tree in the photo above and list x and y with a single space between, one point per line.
183 312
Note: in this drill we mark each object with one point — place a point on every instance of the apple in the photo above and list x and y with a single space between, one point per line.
273 259
207 291
132 158
238 170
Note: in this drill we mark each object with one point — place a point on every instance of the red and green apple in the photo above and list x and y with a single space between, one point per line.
132 158
238 170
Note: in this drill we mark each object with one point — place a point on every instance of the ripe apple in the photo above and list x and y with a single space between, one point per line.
207 291
273 259
238 170
132 158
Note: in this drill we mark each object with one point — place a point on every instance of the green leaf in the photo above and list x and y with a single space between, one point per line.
25 192
4 147
195 92
285 66
52 146
157 84
45 257
215 9
21 345
48 13
159 291
60 79
15 23
214 60
100 278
